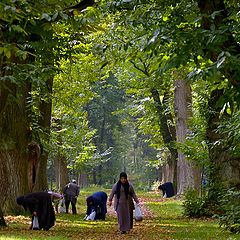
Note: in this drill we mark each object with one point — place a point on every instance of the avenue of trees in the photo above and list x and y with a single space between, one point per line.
91 88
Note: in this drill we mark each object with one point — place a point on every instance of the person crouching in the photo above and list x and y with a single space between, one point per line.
97 202
40 205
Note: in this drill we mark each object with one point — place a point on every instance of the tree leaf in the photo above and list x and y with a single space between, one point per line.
46 16
220 61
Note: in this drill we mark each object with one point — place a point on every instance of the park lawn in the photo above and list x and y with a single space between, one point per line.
162 220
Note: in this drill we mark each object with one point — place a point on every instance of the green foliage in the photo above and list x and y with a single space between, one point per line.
230 211
155 185
71 135
231 129
221 204
195 206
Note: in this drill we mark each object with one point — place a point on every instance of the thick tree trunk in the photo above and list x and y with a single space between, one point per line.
226 168
18 169
14 138
182 106
34 152
167 173
168 138
44 122
2 220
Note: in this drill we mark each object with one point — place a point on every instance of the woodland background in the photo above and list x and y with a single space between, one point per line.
91 88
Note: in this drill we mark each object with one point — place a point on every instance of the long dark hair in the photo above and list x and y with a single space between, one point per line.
125 185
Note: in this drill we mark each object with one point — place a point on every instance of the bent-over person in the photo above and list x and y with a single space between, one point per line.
97 202
167 189
39 204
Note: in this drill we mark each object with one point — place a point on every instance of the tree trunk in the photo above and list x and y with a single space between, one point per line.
2 220
182 107
167 173
45 123
14 138
226 168
59 161
34 152
168 137
83 180
17 156
15 135
61 172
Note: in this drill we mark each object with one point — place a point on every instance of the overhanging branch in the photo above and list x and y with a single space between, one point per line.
81 6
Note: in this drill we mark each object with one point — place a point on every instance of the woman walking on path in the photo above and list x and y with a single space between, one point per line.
123 194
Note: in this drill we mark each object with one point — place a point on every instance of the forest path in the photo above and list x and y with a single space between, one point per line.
162 219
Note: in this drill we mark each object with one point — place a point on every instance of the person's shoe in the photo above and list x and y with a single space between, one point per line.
123 232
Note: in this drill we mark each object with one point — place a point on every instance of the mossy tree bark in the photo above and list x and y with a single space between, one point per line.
225 168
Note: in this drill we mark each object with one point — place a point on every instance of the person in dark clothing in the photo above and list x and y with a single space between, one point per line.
97 202
71 192
123 194
39 204
167 189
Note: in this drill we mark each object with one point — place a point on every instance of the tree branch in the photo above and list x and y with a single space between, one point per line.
145 66
138 68
81 6
144 71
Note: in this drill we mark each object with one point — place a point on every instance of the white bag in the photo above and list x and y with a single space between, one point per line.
138 213
35 224
91 216
62 208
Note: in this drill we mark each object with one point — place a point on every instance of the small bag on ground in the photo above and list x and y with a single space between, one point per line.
35 224
62 208
138 213
91 216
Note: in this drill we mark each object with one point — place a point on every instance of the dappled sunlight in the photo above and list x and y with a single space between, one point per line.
17 219
162 219
85 224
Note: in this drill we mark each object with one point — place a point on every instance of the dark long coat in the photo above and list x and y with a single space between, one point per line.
124 206
39 202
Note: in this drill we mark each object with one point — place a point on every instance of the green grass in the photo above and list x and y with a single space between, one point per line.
165 221
168 217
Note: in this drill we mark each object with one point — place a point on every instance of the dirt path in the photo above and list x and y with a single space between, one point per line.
163 221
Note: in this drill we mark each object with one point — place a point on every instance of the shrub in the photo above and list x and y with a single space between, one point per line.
194 206
230 211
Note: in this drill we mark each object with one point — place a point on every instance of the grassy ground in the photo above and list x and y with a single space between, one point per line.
162 220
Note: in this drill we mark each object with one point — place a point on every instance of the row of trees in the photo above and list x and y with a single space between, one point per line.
87 89
31 48
191 48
